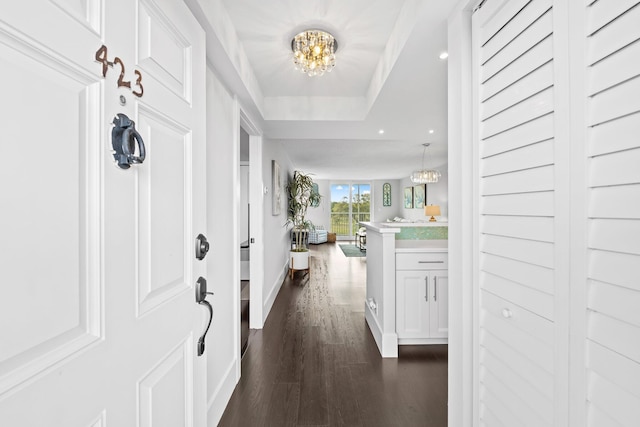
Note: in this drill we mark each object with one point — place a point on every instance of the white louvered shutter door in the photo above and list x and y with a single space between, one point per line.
613 214
514 46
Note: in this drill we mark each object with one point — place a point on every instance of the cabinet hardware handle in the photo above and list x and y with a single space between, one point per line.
426 288
506 313
435 288
430 262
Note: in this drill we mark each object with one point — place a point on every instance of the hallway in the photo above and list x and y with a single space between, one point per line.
315 362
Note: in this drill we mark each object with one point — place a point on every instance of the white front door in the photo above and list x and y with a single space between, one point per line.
98 320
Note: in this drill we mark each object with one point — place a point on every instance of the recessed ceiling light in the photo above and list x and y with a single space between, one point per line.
430 130
381 131
444 55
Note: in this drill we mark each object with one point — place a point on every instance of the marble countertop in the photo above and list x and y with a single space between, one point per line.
415 224
384 227
422 246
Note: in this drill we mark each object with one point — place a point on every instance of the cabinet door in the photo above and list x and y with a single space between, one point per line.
439 304
412 306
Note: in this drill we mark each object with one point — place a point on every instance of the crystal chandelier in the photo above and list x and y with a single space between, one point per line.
425 176
314 52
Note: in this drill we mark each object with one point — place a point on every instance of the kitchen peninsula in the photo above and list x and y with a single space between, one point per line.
407 285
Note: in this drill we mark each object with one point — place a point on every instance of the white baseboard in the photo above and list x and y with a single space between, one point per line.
221 396
422 341
273 293
387 342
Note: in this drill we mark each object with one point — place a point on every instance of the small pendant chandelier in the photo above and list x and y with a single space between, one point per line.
425 176
314 52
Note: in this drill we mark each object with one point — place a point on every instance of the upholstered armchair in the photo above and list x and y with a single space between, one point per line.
317 235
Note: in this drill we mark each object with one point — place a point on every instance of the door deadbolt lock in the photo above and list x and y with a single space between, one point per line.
202 246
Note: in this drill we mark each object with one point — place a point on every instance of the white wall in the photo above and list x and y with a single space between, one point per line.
276 234
222 166
382 213
437 194
321 215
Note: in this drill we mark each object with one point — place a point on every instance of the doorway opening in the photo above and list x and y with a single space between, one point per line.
244 233
350 205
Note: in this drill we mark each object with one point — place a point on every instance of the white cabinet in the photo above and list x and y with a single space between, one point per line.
422 298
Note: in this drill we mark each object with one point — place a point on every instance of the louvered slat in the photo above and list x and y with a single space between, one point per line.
526 14
530 156
529 35
540 377
525 88
531 60
609 364
616 135
538 130
604 12
615 202
532 276
529 413
614 334
494 16
621 406
615 268
538 253
620 168
529 323
615 102
616 235
610 38
614 69
528 228
530 299
531 108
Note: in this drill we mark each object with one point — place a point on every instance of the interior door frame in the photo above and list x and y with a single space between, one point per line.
256 223
463 334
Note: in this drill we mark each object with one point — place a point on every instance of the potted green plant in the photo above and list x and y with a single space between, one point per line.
300 194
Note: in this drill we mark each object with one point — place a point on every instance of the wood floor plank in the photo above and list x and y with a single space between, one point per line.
315 362
313 408
283 405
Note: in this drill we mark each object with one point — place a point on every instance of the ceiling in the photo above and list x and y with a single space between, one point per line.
388 76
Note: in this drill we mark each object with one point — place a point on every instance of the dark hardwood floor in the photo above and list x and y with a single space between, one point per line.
315 363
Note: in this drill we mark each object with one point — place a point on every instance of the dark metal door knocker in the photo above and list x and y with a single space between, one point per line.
123 139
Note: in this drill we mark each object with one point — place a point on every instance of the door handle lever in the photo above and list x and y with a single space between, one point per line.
201 295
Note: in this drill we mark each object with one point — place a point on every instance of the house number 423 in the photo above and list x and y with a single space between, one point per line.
101 56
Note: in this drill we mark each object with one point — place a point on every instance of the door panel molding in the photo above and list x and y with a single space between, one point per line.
169 59
168 382
88 13
64 240
169 151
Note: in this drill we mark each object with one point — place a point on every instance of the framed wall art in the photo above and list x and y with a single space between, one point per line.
386 194
408 197
419 196
276 184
